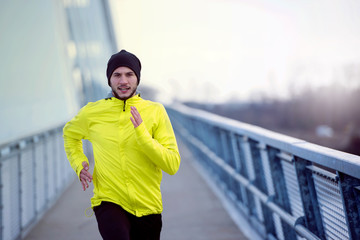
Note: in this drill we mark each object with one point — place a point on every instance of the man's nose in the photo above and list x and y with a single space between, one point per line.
122 79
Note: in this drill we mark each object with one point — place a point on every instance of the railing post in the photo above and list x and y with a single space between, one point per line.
259 181
263 182
235 153
46 170
350 192
217 149
226 149
250 174
313 220
219 152
20 191
35 141
240 142
280 198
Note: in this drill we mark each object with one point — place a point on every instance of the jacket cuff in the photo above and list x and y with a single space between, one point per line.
80 167
78 170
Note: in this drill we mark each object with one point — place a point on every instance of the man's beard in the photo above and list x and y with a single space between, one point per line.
125 97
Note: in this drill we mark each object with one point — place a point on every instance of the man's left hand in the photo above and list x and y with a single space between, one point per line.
136 118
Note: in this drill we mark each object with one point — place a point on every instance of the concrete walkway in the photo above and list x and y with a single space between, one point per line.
191 211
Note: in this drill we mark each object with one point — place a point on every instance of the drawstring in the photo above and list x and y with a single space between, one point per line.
92 212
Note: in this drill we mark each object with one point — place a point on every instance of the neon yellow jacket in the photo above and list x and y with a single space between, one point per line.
128 160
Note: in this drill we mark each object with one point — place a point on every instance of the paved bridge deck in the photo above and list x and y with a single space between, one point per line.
191 211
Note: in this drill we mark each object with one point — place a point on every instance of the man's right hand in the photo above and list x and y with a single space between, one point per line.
85 176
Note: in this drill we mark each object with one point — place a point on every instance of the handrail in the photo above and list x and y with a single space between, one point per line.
324 156
287 186
33 174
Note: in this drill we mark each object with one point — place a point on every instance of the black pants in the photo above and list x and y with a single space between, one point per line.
116 224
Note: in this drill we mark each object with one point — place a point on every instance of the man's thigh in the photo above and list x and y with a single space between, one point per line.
146 227
112 221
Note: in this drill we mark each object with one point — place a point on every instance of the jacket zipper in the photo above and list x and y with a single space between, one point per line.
124 105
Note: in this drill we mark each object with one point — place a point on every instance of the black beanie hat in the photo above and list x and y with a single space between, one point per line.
123 59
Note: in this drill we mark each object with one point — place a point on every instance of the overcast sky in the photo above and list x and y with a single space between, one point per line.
221 50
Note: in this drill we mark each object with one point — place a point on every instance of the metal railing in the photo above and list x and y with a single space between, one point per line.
286 187
34 172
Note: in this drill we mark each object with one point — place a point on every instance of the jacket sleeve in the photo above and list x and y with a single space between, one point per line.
162 148
73 133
